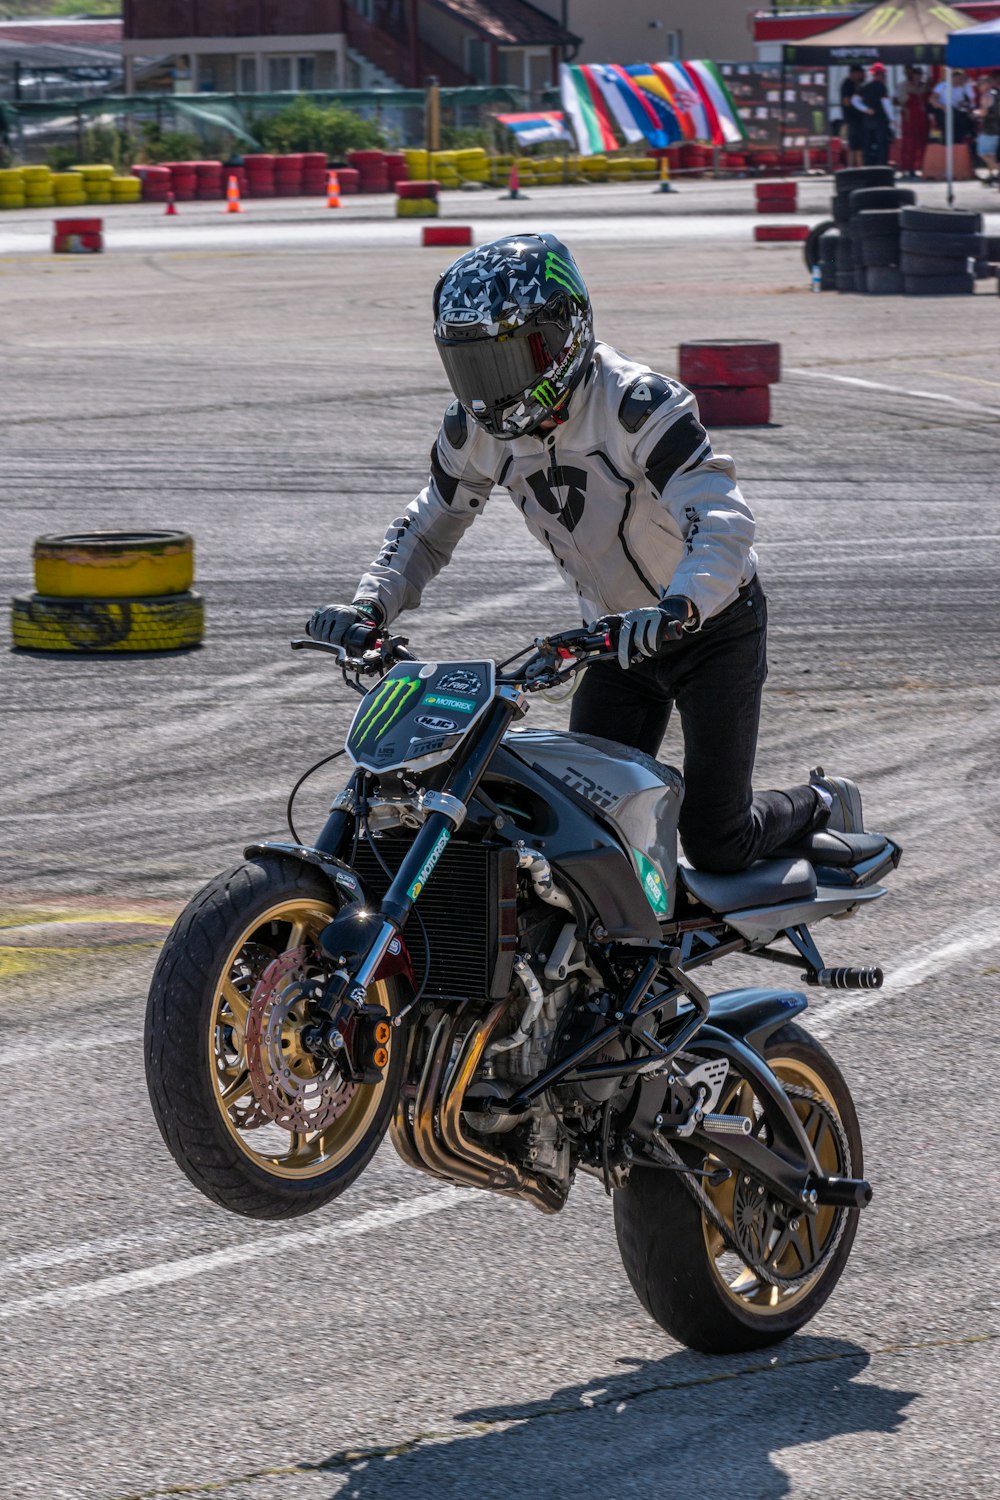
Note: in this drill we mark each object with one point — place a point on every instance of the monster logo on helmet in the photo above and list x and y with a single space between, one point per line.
514 328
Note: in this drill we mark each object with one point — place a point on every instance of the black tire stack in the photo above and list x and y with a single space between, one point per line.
943 250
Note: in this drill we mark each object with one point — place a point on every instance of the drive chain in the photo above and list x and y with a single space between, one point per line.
714 1217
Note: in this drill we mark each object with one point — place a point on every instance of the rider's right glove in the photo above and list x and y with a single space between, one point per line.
644 632
364 619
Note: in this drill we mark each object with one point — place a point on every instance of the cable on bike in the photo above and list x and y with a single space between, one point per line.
305 777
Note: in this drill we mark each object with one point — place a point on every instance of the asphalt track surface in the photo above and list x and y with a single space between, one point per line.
280 402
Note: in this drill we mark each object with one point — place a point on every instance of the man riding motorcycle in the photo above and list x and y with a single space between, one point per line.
613 472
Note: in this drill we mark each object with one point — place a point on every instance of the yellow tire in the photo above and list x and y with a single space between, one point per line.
11 200
83 626
11 180
114 564
95 170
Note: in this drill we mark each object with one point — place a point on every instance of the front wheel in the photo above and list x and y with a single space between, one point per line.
255 1121
688 1275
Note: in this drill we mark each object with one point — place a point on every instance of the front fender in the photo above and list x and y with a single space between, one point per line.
752 1015
348 890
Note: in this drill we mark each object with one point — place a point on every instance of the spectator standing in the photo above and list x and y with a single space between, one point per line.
962 104
879 119
853 112
989 130
912 98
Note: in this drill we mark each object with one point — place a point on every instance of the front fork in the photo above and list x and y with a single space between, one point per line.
345 995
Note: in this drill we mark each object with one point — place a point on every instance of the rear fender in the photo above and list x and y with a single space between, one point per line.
752 1015
347 889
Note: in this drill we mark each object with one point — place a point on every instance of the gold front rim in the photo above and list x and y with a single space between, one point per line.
739 1283
283 928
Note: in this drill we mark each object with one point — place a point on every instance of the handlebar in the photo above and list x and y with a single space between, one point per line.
550 659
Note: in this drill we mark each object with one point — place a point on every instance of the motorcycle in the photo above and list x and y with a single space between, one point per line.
489 953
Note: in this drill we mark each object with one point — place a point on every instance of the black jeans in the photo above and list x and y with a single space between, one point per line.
715 677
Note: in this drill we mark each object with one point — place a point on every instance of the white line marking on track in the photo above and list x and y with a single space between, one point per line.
897 390
981 932
171 1271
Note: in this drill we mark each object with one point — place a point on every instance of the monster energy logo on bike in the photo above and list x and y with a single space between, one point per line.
388 702
564 274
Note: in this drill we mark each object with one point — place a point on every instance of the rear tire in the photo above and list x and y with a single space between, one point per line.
678 1264
196 1048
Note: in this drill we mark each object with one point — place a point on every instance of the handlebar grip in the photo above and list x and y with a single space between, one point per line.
359 638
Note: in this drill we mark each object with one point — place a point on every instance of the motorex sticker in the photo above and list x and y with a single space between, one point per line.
455 705
652 884
428 865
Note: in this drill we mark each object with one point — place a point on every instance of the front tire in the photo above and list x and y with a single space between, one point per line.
680 1267
209 1112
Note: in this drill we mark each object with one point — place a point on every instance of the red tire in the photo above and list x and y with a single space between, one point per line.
415 189
776 206
730 362
734 406
768 232
784 190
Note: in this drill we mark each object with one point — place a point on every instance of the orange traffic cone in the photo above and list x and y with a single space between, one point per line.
233 204
171 206
333 191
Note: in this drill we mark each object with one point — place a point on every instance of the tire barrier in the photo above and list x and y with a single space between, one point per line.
113 564
417 199
77 236
174 622
880 243
731 379
446 234
776 197
794 233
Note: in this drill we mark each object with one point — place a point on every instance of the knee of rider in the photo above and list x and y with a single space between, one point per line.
721 853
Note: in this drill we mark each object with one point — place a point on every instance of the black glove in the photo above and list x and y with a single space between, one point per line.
644 632
353 626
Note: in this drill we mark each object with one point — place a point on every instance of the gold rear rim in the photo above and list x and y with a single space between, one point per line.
281 930
811 1238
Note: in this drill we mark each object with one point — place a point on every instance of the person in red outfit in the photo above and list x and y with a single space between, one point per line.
912 100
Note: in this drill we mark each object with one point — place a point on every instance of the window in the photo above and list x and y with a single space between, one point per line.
279 74
307 74
477 61
246 75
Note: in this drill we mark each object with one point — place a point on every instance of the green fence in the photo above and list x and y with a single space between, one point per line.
223 123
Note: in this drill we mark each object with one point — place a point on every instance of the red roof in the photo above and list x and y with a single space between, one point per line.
59 33
509 22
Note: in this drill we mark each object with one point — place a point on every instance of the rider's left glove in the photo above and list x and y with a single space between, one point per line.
644 632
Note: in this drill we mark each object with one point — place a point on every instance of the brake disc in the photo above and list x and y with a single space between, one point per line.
296 1090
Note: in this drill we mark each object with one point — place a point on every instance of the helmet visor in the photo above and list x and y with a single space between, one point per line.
498 371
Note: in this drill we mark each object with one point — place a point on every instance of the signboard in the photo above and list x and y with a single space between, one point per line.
771 100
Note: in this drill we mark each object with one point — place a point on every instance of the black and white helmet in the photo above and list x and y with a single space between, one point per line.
514 328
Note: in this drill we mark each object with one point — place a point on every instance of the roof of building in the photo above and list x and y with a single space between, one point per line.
512 23
60 33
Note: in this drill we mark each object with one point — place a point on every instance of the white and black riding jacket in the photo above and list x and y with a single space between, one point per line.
626 494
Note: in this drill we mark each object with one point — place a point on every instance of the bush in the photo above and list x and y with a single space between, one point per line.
306 125
170 145
108 143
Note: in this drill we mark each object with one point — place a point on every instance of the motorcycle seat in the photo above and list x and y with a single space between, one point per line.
836 849
766 883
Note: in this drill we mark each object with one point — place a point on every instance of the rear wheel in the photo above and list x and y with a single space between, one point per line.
687 1273
255 1121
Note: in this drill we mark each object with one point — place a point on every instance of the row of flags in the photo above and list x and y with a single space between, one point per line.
659 103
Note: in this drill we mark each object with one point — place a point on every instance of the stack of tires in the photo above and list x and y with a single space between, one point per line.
68 189
125 190
111 591
731 379
184 180
314 174
776 197
288 175
374 174
396 167
866 206
155 181
260 175
417 199
943 250
349 179
11 188
210 182
38 191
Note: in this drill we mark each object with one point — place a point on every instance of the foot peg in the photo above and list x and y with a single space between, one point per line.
847 979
